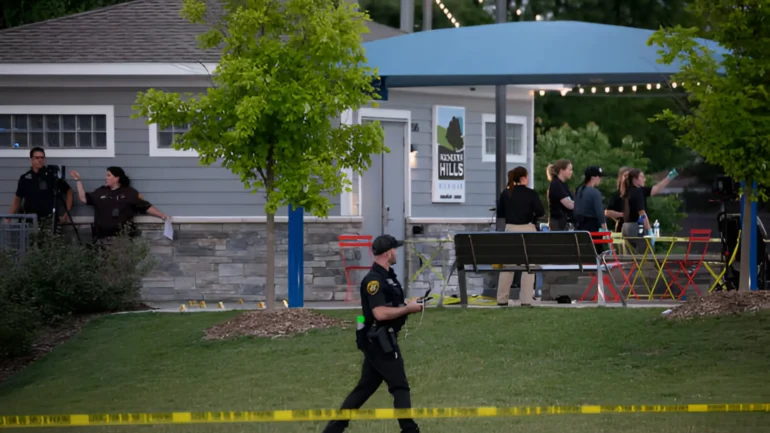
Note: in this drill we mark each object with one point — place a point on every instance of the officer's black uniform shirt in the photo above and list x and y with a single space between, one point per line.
36 190
557 191
520 205
115 208
380 288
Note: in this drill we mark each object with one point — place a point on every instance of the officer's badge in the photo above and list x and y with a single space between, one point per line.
373 287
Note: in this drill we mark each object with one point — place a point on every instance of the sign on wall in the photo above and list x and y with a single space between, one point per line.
448 154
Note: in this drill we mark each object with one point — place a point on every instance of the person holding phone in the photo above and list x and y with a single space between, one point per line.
385 313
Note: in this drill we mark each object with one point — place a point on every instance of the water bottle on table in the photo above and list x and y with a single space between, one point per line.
656 229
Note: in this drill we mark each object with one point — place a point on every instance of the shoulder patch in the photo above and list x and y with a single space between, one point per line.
373 287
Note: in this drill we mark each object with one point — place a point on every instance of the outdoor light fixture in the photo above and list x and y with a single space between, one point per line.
412 156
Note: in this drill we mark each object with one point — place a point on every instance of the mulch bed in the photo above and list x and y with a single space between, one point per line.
722 304
272 324
52 337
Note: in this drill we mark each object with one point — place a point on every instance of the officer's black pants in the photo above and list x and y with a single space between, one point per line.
379 367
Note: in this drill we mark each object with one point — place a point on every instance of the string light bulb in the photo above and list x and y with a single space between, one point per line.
518 12
673 84
633 88
620 89
538 17
542 93
448 14
657 86
581 90
606 90
593 89
649 87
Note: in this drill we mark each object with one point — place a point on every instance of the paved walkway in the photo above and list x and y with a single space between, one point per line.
174 307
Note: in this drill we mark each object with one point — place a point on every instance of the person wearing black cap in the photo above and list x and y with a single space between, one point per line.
589 209
385 313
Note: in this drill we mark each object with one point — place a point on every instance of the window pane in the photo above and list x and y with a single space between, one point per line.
52 122
52 139
69 139
5 140
169 129
69 123
84 123
36 139
36 123
84 139
100 140
20 123
20 140
5 122
165 139
490 145
100 123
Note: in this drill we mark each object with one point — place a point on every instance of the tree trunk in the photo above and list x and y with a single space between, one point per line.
270 279
743 284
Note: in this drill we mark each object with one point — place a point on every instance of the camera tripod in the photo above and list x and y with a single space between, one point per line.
53 176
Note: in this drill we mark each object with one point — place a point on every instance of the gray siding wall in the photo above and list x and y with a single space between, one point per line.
178 186
480 191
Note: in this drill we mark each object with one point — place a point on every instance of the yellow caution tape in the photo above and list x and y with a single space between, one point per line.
16 421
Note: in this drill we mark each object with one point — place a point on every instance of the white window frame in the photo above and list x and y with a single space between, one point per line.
509 120
106 110
155 150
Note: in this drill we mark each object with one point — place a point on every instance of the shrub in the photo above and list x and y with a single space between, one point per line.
56 279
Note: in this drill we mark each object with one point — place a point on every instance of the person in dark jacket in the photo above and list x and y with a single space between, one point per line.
520 206
589 209
560 201
115 204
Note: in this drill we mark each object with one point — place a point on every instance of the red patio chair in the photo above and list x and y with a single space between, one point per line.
697 236
348 242
604 238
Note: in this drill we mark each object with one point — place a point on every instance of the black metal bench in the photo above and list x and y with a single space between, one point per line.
561 251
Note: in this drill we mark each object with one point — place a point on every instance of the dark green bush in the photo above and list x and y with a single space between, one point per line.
56 279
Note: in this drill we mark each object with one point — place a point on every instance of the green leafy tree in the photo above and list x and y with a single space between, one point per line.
590 146
288 68
729 122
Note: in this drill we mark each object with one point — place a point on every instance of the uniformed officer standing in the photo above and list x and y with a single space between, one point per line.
115 204
385 312
35 189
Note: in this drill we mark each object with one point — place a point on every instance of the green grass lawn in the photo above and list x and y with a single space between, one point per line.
542 356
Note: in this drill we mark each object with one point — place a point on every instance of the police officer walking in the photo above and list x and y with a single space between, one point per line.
385 312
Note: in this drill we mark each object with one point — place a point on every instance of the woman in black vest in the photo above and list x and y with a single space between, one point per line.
520 206
560 201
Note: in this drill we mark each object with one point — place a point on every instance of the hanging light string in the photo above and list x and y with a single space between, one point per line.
612 89
448 14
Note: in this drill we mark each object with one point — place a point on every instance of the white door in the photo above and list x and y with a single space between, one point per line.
383 193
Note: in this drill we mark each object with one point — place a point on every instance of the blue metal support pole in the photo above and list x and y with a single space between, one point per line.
753 244
296 257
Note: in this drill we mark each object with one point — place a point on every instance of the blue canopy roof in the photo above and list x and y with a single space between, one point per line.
532 52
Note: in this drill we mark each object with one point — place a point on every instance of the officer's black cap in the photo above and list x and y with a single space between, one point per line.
385 243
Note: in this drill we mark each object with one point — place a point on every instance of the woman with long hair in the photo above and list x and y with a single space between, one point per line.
615 205
115 204
560 201
634 205
589 208
520 206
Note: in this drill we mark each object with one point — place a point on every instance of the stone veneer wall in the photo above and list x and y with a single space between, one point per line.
225 261
228 261
428 278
